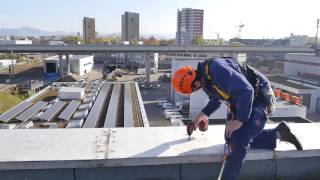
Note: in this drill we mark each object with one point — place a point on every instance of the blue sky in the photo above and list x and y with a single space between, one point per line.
262 18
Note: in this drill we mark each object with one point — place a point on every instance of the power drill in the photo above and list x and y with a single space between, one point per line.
203 126
190 128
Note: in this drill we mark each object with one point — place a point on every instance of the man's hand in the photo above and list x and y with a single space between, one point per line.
232 126
200 116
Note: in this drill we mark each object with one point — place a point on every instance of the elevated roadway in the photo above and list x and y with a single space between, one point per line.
88 49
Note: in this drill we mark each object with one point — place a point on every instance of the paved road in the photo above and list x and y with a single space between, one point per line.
150 98
31 72
96 72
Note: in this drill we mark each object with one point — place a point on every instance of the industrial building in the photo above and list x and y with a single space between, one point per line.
301 78
78 64
189 25
74 105
6 40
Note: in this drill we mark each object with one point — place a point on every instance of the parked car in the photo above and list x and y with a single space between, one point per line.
167 115
167 105
161 102
170 110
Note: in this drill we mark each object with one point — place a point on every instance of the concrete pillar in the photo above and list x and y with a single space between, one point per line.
67 63
60 65
147 67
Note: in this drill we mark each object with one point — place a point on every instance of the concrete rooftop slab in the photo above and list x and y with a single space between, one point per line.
53 144
102 147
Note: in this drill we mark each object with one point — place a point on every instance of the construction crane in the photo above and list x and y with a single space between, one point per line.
240 26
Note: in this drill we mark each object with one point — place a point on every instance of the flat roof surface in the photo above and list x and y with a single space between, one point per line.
71 89
285 104
71 57
66 148
283 80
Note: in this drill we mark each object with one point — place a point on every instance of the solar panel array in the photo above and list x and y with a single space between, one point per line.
50 114
114 107
110 120
28 114
92 119
128 113
69 110
14 112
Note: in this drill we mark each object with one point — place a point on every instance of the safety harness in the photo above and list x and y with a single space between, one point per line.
252 76
224 95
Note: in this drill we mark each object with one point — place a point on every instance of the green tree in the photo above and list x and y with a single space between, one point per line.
152 41
71 39
172 42
134 41
198 40
107 40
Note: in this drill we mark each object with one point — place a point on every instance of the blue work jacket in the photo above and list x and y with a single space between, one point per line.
226 74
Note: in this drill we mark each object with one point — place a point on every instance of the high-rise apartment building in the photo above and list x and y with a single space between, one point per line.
89 30
189 25
130 26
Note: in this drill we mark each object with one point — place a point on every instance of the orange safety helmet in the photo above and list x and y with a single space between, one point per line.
182 80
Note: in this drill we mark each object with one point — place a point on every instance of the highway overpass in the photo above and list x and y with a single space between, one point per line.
88 49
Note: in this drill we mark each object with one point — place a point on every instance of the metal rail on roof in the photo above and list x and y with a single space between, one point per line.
94 115
26 115
141 106
128 101
14 112
111 117
69 110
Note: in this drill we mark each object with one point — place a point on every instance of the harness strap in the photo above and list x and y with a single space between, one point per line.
224 95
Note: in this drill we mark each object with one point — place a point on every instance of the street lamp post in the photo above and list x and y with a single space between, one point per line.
12 65
316 41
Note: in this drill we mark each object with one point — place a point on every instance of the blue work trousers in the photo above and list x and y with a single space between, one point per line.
250 135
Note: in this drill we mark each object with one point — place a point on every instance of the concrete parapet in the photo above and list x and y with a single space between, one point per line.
147 153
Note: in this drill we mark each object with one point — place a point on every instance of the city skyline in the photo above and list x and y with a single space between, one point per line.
267 19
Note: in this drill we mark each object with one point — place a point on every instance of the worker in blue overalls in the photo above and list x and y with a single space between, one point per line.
250 99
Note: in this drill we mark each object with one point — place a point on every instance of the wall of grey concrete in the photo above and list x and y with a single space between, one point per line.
291 168
33 174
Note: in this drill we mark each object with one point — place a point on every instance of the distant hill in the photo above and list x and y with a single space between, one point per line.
29 31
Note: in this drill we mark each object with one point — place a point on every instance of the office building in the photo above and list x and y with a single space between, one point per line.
189 25
130 26
89 30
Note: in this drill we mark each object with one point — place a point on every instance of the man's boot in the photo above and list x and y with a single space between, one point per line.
287 136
